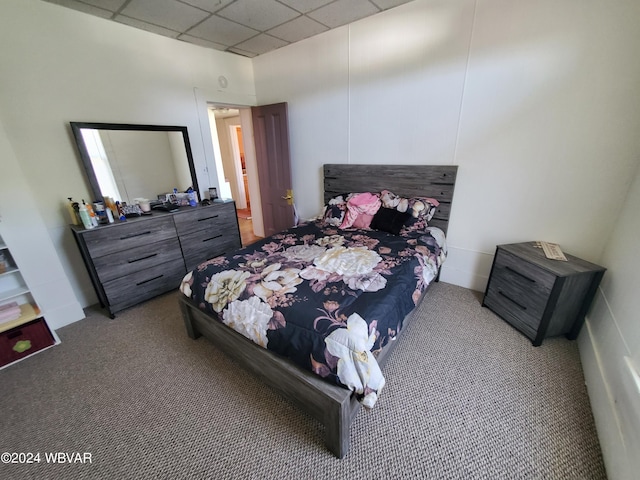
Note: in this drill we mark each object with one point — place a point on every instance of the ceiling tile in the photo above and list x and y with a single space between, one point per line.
165 13
220 30
259 14
132 22
261 44
342 12
225 24
298 29
387 4
208 5
81 7
305 6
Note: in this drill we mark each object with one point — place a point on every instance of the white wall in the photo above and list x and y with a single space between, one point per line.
24 231
537 103
59 65
610 345
533 100
311 76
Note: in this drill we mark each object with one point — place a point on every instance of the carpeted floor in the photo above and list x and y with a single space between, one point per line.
467 397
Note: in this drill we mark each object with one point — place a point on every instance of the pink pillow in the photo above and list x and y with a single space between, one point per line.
362 203
363 221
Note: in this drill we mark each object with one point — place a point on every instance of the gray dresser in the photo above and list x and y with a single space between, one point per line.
538 296
132 261
206 233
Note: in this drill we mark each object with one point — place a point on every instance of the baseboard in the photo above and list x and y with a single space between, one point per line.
467 268
614 390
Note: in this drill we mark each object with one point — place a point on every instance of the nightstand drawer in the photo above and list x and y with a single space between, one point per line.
519 287
524 275
528 297
513 310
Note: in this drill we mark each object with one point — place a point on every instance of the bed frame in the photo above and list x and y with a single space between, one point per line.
333 406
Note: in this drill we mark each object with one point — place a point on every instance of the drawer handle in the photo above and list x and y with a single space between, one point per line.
512 300
142 258
150 280
207 218
212 238
521 275
135 235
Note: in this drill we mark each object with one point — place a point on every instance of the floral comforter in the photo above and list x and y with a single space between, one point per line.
327 299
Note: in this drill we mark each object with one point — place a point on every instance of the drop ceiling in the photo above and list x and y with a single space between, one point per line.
243 27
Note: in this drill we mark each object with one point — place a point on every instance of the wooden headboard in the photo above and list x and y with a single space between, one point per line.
435 181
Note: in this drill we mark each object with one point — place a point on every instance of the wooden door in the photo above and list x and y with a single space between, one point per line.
271 136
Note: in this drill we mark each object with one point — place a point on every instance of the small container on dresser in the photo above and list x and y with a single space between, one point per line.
538 296
132 261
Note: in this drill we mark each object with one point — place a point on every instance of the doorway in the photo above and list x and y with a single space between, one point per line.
232 135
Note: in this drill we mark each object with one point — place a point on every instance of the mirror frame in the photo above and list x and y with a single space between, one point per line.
86 160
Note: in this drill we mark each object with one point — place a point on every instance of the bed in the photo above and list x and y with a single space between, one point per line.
316 310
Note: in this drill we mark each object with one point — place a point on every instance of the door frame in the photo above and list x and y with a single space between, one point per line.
250 160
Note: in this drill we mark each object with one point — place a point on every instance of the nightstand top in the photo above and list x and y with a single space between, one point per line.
530 253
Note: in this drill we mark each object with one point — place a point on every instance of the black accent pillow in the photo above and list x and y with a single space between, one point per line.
389 220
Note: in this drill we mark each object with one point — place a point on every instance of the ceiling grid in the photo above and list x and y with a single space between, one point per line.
244 27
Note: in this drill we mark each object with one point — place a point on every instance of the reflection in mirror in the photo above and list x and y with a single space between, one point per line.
126 161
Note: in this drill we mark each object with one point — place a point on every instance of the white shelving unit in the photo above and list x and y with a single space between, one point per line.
19 343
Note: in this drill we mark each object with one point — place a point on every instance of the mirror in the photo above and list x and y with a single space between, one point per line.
126 162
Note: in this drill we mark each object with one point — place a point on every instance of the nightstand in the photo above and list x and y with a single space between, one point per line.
541 297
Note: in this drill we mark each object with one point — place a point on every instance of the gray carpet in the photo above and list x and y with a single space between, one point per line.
467 397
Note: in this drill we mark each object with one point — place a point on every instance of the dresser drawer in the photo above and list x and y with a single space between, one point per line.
214 217
198 253
125 262
142 285
120 237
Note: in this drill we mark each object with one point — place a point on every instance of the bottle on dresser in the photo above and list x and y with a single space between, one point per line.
72 209
92 213
85 217
110 206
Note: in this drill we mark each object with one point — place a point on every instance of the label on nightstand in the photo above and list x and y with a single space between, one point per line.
552 251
